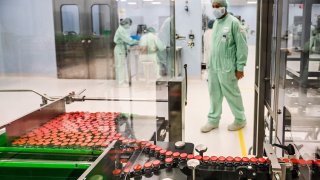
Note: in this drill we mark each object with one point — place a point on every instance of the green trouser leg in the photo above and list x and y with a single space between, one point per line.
121 65
225 84
215 94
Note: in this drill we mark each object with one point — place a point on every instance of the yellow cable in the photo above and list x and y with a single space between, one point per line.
242 143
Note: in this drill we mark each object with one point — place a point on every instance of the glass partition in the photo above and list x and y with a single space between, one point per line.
299 80
101 57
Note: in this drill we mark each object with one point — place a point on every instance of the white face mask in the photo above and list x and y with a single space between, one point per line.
219 12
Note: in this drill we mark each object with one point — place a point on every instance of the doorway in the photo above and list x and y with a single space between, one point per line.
84 32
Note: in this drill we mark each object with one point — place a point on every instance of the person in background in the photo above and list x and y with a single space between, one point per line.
150 45
164 55
245 27
122 40
228 57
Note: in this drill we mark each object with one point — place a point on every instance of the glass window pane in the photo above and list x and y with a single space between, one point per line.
70 19
101 22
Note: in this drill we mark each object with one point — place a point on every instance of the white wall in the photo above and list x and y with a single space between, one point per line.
186 22
144 13
27 37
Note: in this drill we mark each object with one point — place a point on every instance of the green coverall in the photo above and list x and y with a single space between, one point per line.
229 54
151 44
122 39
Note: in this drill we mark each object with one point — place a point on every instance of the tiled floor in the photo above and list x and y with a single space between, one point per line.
219 141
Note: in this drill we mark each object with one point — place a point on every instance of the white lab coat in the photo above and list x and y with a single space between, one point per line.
150 44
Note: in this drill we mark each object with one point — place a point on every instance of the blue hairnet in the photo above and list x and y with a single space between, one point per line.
126 21
210 24
223 3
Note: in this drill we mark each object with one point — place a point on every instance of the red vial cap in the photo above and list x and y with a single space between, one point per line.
261 160
143 143
229 159
90 144
153 147
168 160
169 153
190 156
163 151
147 165
302 162
126 170
198 157
158 149
253 160
310 162
221 158
116 172
138 142
124 160
294 161
237 159
148 145
245 159
213 158
317 162
286 160
205 158
156 163
137 167
176 154
183 155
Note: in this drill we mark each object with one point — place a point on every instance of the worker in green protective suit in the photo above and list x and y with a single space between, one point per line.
229 53
150 45
122 40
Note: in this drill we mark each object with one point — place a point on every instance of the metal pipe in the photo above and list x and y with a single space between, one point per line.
118 99
28 90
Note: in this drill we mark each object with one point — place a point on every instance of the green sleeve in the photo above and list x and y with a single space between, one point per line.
124 36
159 44
239 35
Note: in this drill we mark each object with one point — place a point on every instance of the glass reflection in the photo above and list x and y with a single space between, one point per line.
302 86
101 19
70 19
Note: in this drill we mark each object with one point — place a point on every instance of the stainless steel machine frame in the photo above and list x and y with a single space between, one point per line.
272 73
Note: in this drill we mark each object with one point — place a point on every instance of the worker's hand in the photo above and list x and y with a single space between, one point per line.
239 74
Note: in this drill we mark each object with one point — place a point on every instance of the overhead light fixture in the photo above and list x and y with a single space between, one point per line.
156 3
123 0
132 3
251 2
147 0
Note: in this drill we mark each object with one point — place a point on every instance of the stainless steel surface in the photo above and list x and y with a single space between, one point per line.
264 29
201 149
94 164
275 166
192 164
34 119
178 62
86 54
176 93
180 144
28 90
